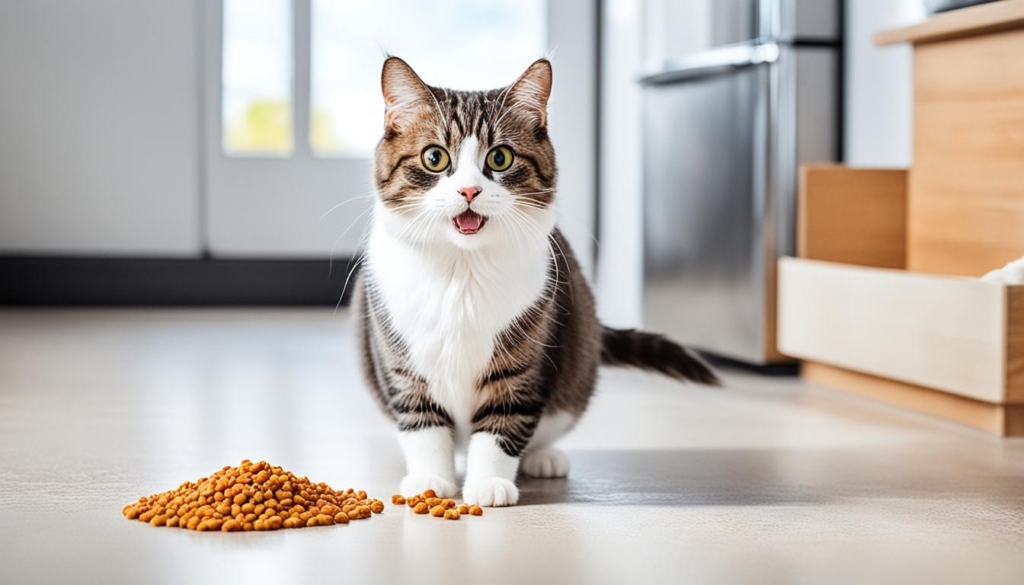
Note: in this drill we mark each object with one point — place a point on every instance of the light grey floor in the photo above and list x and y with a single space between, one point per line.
766 481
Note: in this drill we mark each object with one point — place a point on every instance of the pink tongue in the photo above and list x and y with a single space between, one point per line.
469 221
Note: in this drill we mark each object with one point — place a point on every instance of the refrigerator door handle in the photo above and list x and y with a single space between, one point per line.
713 62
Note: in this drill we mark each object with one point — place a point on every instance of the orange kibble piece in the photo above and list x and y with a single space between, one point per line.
475 510
429 494
463 509
451 514
396 499
433 502
377 507
448 503
437 511
341 518
421 508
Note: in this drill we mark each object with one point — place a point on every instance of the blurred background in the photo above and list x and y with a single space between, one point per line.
216 152
780 184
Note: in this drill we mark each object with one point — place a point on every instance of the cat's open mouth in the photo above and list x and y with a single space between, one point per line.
469 222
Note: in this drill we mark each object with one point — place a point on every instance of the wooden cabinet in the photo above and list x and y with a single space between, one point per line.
884 300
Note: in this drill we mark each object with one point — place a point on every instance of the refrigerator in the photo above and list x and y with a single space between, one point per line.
737 94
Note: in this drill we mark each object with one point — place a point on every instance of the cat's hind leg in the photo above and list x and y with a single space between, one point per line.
540 459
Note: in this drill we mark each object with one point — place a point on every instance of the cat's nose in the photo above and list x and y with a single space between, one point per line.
469 193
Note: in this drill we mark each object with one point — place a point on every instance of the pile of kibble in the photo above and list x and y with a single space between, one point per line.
437 507
252 496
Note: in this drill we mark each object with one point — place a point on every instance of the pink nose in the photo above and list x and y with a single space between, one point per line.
469 193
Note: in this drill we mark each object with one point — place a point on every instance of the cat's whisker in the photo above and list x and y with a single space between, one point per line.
330 261
344 288
575 221
531 224
367 195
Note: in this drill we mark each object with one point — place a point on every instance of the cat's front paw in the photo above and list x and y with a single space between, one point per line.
417 484
490 491
546 463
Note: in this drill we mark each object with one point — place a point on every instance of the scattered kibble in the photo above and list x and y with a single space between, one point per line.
429 503
398 499
253 497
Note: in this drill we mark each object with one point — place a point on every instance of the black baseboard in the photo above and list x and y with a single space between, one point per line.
52 281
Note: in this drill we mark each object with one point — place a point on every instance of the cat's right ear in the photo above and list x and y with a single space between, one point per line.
405 94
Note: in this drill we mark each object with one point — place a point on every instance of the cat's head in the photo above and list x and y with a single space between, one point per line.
465 168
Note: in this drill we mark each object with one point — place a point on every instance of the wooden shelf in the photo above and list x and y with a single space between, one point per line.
985 18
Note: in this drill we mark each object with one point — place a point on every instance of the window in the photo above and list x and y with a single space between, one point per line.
462 44
256 92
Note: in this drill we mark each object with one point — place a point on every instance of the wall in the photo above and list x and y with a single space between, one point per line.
620 254
879 85
99 127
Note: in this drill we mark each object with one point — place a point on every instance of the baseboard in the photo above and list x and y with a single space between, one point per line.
1006 420
61 281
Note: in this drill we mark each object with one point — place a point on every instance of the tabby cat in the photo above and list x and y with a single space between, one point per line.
476 326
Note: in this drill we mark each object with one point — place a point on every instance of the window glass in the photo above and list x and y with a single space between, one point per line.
256 102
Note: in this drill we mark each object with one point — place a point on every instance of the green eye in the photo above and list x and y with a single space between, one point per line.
435 158
500 158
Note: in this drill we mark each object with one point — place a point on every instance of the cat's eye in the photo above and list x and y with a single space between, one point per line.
435 158
499 158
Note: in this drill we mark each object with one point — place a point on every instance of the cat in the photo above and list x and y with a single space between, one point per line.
476 326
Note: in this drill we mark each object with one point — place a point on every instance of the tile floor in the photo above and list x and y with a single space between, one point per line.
766 481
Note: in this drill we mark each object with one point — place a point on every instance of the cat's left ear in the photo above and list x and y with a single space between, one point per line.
529 94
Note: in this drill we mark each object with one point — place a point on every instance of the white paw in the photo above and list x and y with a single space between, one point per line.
417 484
546 463
490 491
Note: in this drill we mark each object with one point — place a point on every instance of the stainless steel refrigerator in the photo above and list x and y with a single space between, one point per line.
750 92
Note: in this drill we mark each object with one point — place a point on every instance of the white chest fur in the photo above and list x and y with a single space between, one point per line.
449 305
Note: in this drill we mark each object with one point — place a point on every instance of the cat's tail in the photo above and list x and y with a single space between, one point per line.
656 353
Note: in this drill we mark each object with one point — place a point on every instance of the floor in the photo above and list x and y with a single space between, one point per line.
766 481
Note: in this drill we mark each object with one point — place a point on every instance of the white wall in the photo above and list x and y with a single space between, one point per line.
620 258
99 127
879 85
573 132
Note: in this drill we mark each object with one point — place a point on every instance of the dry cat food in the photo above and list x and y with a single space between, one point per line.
428 502
252 496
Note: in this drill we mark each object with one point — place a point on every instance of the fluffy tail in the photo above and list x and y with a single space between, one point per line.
656 353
